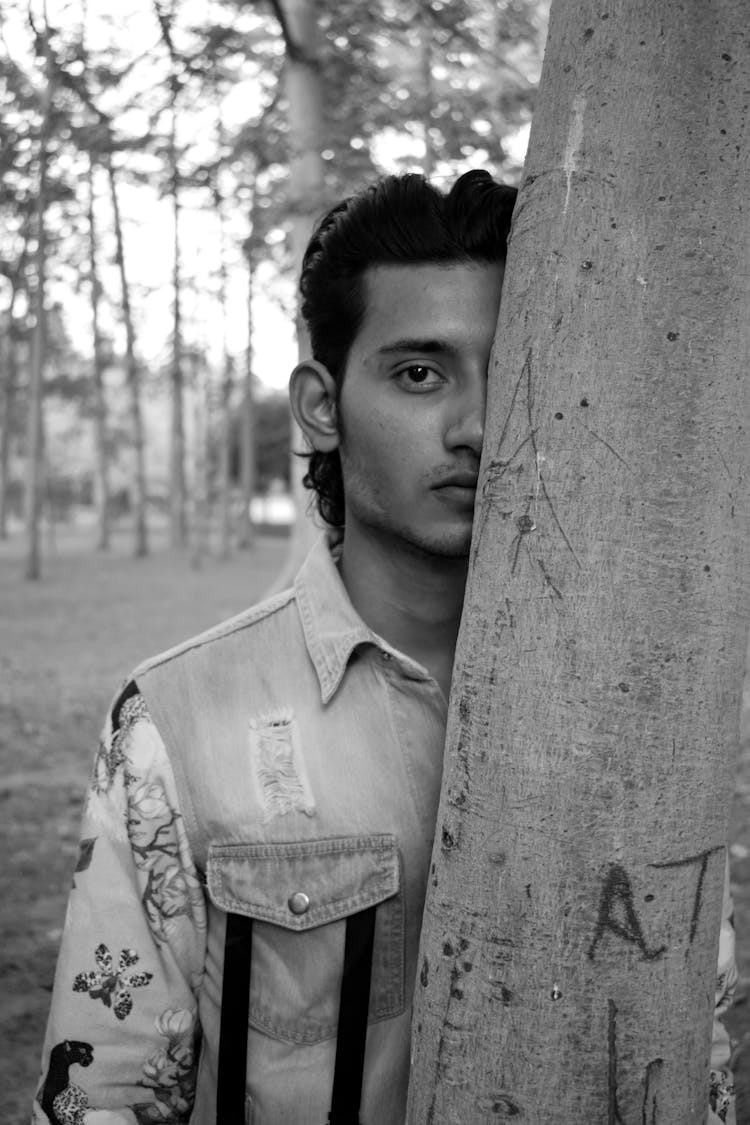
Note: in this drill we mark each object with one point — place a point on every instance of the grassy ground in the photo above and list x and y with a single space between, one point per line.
66 643
64 647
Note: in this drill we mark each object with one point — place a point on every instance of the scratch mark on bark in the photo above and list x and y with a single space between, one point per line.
573 145
548 579
613 1110
539 457
723 459
650 1101
497 469
616 888
702 858
611 448
525 369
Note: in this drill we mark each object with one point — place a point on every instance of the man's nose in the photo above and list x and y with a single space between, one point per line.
467 425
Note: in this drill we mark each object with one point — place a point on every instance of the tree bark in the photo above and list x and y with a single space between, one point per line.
133 380
177 489
8 387
35 422
428 93
101 456
568 958
227 391
201 523
305 100
245 528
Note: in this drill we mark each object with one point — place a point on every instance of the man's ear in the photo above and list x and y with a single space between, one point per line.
312 394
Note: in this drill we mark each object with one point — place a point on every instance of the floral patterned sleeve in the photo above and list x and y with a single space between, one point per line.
722 1103
122 1036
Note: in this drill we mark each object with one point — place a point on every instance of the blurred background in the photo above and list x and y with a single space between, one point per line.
162 163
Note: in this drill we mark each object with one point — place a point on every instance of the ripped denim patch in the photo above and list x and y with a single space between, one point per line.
279 766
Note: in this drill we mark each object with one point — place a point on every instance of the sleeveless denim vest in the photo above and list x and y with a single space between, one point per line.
307 760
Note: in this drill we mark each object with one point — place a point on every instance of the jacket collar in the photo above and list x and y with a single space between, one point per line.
331 626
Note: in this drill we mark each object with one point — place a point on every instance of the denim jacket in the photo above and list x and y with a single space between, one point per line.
282 768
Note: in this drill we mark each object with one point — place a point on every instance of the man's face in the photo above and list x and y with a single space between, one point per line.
411 410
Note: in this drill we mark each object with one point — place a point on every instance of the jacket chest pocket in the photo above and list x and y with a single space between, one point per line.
299 895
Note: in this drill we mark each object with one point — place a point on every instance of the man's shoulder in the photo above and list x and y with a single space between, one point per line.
271 619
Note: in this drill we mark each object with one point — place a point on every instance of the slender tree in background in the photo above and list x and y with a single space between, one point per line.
114 97
101 444
9 386
200 539
428 93
177 482
34 450
303 89
101 452
132 376
227 385
245 529
568 956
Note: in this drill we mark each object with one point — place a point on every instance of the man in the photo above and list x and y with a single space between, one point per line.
260 821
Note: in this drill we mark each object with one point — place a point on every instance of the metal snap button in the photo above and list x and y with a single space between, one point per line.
299 903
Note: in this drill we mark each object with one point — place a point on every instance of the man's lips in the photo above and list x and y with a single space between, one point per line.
458 489
460 479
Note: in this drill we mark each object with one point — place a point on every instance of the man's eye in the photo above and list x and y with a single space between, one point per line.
419 377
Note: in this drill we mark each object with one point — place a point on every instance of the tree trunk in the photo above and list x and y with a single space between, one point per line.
425 65
304 94
132 376
568 957
34 452
101 458
227 388
245 529
177 490
8 387
201 524
225 460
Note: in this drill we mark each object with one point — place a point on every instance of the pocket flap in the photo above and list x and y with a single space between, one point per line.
303 884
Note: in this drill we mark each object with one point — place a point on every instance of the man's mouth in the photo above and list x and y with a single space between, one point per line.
458 488
461 479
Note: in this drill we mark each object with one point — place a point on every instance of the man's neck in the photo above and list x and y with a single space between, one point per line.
411 598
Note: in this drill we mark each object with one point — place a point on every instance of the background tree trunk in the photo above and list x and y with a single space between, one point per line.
569 947
132 375
34 438
177 489
101 453
226 391
201 523
304 93
8 388
245 528
428 93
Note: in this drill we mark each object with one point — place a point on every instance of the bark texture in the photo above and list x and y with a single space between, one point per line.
132 375
101 449
178 530
35 419
305 108
245 528
569 946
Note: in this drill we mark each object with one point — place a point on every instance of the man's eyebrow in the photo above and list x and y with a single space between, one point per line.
416 344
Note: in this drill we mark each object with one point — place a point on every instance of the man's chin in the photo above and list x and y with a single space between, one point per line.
443 545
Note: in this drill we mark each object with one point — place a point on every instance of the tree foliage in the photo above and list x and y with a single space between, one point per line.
187 102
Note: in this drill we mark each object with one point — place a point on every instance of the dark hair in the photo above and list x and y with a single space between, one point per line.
399 220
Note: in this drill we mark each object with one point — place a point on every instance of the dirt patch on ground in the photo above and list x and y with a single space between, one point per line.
66 645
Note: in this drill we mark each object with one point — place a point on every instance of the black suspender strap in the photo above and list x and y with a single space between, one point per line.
235 1002
353 1008
352 1029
